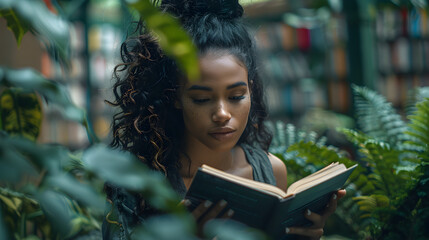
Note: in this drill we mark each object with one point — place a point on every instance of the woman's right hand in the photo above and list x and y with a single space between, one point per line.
207 211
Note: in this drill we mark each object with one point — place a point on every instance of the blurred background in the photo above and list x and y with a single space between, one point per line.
310 53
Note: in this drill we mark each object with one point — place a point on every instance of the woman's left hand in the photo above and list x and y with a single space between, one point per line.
316 230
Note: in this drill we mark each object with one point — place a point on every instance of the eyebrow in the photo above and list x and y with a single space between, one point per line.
204 88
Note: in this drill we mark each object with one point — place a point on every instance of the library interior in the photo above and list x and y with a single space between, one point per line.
344 81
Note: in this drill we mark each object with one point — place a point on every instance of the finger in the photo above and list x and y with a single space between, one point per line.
317 219
341 193
309 232
184 202
332 205
213 212
228 214
201 209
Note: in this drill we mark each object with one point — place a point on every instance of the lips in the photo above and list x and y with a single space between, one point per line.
223 133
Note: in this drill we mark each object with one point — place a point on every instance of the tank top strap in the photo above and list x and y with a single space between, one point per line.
262 168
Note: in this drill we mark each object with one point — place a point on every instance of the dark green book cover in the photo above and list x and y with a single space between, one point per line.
260 209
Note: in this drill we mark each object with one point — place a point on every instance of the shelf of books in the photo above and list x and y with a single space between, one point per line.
402 42
303 59
95 37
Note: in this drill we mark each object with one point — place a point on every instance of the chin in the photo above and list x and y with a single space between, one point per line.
222 146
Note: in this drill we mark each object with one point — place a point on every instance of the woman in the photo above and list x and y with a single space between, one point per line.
174 125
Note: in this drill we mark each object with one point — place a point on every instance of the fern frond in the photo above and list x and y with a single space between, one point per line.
384 167
369 205
414 97
419 130
377 118
286 135
318 155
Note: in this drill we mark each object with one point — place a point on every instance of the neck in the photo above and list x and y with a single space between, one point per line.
195 156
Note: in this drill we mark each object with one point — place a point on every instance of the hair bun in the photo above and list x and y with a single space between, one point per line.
228 9
223 8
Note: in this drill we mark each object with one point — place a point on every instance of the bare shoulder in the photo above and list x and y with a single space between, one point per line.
280 171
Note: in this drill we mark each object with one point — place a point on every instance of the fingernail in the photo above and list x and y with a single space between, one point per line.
222 203
308 212
334 197
230 213
287 230
207 203
187 203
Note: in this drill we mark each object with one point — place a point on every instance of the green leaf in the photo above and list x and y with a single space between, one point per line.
14 164
172 38
123 169
79 191
231 230
30 80
43 156
166 227
50 28
377 118
3 230
14 24
57 210
20 113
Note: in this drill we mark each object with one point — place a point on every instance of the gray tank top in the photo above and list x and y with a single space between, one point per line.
257 158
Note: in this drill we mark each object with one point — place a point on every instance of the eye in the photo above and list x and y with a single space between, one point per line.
200 100
237 98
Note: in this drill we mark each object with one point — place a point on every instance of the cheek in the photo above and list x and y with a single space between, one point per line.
243 112
191 115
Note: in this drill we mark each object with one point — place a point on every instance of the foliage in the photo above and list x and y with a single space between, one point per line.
304 152
377 118
388 192
172 38
391 188
34 16
49 192
18 106
409 220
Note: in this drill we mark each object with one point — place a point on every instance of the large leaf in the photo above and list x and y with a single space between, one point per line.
20 152
172 38
231 230
79 191
3 230
53 92
14 165
20 113
122 169
14 24
34 15
166 227
57 210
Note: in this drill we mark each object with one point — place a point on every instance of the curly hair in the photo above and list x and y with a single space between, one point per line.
148 124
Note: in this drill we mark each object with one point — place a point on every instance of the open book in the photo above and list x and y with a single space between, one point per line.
265 206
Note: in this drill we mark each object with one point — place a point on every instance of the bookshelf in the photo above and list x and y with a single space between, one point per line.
402 40
303 56
96 32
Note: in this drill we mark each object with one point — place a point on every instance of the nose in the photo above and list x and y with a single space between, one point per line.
221 113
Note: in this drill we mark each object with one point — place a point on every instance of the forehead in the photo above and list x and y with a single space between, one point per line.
221 68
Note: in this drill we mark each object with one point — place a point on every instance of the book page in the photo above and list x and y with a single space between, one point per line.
317 178
265 187
333 167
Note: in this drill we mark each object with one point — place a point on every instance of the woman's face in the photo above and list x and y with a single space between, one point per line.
216 107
